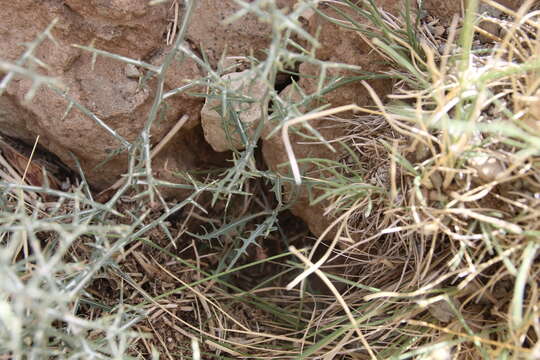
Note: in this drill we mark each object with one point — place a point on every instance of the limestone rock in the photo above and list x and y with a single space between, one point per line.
337 45
220 131
15 120
444 10
244 37
345 46
241 38
275 157
487 168
394 7
132 29
341 45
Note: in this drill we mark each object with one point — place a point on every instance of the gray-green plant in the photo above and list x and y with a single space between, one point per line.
420 256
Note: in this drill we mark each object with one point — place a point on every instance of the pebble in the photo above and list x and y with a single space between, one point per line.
438 30
131 71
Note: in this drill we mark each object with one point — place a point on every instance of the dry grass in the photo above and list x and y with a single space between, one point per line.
435 239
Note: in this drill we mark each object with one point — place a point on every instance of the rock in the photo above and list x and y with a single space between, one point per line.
240 38
130 28
439 30
244 37
341 45
487 168
131 71
492 30
442 311
15 120
247 36
337 45
221 132
394 7
180 74
109 89
30 167
276 158
444 10
511 4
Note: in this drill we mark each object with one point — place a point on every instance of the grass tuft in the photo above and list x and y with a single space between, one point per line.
433 196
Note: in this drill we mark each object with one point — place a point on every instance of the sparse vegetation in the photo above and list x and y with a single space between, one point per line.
433 248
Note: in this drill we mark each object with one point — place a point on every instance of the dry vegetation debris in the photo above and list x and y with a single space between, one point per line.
424 243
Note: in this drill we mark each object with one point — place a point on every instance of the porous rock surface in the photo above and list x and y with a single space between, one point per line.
107 88
444 10
337 45
247 91
110 88
244 37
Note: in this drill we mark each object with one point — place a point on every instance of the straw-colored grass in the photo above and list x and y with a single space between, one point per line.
433 250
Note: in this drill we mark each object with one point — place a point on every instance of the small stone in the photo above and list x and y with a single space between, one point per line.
241 84
492 30
443 353
437 196
487 168
442 311
65 185
292 95
306 14
438 30
131 71
421 152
